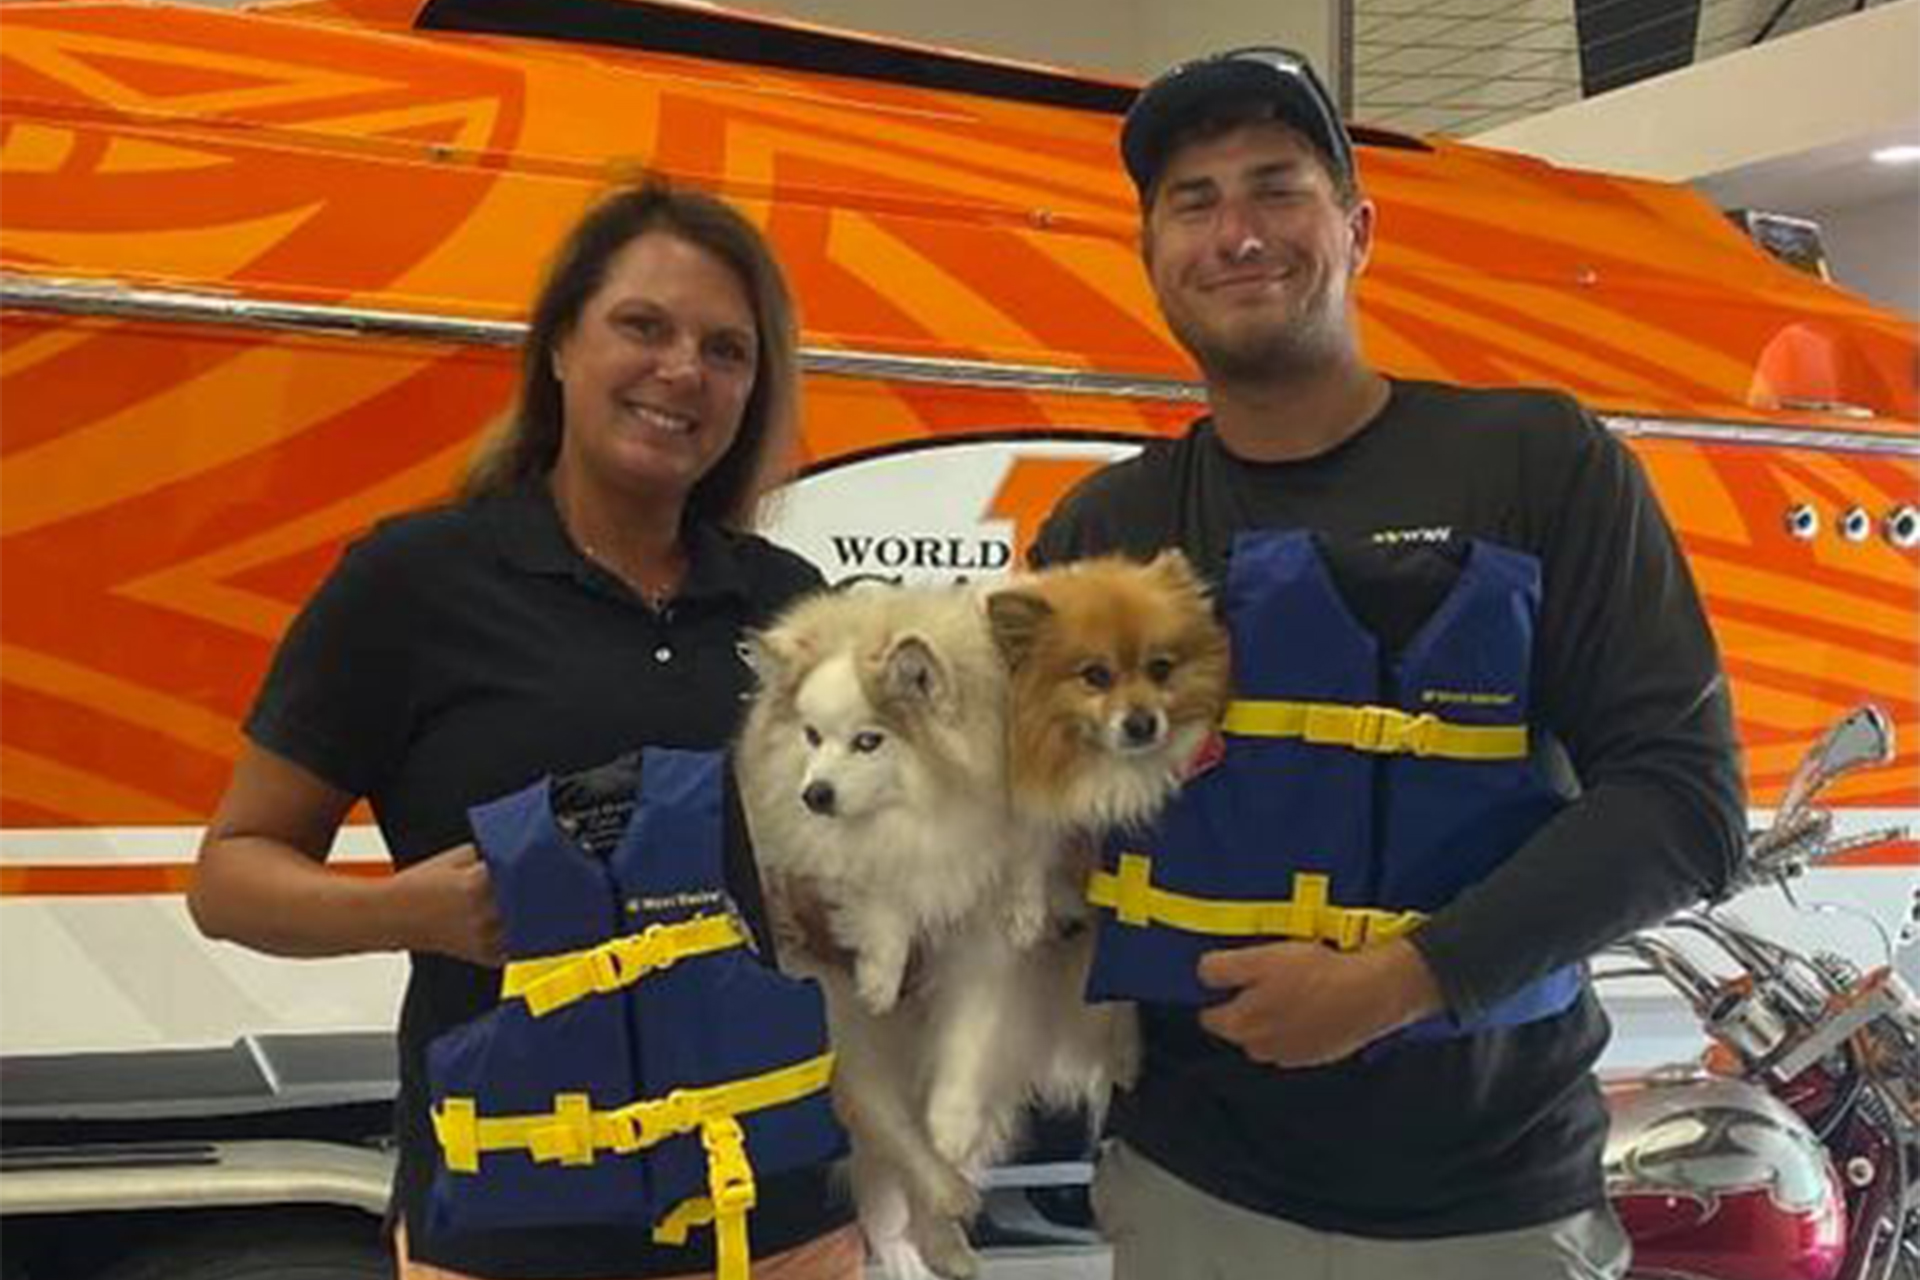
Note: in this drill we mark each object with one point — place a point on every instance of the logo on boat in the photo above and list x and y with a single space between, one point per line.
934 512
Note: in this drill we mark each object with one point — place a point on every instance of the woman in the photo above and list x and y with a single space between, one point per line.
585 596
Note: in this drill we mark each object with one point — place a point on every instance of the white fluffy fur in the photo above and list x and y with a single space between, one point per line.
960 1003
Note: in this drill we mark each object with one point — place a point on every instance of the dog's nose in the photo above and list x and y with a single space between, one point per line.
1140 727
818 797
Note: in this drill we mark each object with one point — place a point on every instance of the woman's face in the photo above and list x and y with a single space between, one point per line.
656 371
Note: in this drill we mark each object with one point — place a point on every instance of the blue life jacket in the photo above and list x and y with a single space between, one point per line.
643 1065
1359 791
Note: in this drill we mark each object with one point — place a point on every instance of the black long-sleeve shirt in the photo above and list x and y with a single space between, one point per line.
1503 1129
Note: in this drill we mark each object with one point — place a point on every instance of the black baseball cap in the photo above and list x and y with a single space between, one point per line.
1186 92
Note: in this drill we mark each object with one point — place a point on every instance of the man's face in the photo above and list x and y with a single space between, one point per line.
1251 253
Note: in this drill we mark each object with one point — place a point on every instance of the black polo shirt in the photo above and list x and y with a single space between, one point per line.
460 654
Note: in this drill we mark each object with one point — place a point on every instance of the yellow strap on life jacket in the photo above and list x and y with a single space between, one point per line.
1307 916
1385 730
551 982
573 1133
731 1192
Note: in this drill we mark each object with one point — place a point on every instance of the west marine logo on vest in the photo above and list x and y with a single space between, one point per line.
1466 697
1433 535
936 511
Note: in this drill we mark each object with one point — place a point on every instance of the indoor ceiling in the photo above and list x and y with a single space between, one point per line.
1839 175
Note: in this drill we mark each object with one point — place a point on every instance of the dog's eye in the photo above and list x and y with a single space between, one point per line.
1160 670
1097 676
813 736
867 741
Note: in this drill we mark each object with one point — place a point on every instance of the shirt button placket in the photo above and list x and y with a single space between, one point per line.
663 652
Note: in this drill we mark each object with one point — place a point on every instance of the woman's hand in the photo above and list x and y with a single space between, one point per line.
262 879
446 905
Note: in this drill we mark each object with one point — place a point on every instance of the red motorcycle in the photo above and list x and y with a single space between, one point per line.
1791 1149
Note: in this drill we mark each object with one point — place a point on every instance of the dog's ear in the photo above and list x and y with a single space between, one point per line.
913 672
1016 617
759 657
1176 571
770 655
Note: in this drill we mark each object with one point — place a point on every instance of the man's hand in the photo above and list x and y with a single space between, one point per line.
1299 1004
446 904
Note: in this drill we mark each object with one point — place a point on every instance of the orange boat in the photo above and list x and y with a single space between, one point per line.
263 271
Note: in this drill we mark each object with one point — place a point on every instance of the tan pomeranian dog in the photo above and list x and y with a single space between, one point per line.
1119 677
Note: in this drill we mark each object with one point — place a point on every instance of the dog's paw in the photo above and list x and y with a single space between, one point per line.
950 1194
897 1259
943 1246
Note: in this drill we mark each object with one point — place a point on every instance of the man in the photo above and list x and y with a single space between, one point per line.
1486 731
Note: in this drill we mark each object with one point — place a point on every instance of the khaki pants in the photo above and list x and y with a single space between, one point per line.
838 1256
1164 1229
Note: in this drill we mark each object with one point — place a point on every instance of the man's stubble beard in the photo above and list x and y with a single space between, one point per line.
1298 346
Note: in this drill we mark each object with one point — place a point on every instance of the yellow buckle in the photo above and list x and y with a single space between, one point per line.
1421 734
567 1135
1371 726
547 983
623 1131
1345 928
661 1118
457 1125
1390 731
1307 909
604 972
638 1125
729 1173
645 951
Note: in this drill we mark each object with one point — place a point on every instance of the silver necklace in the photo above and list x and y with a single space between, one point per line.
657 598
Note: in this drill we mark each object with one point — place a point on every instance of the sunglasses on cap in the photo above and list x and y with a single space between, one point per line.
1187 92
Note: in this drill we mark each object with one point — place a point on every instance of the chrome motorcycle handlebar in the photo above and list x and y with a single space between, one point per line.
1815 1032
1779 996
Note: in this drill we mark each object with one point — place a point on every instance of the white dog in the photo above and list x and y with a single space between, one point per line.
873 772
